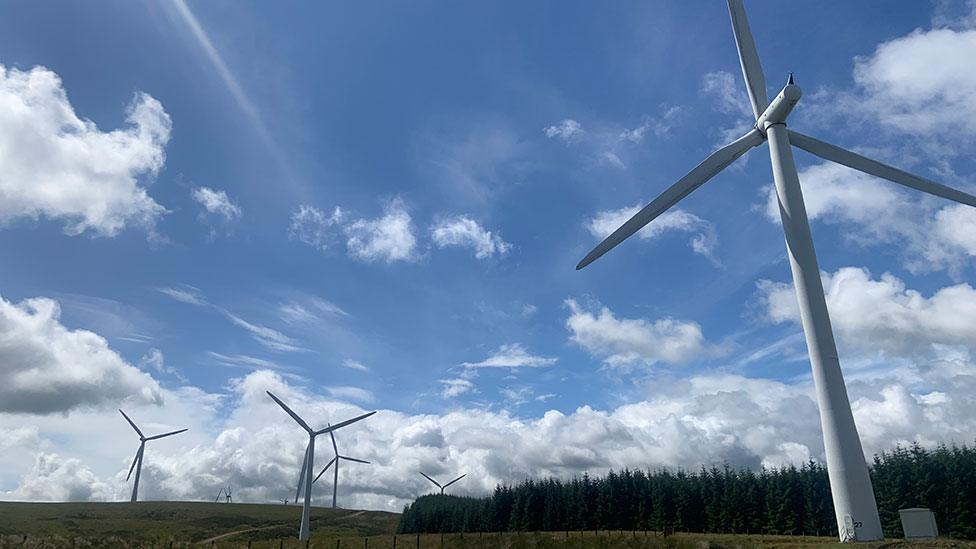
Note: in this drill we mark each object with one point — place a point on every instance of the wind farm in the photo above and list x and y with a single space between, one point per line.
476 226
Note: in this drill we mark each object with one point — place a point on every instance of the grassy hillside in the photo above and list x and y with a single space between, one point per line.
139 524
184 524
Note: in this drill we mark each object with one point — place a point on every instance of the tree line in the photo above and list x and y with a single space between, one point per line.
787 500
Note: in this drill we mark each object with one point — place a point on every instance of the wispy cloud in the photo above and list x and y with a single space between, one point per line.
351 393
184 294
512 355
355 365
269 337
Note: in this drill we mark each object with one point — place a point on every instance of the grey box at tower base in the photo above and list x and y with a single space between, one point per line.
918 523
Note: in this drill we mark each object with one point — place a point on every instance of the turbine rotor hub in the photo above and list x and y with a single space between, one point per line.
780 107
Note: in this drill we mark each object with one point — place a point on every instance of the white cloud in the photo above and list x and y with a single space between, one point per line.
352 393
56 478
388 238
245 361
455 387
516 396
48 368
512 355
659 128
252 445
311 226
185 294
154 359
354 365
884 315
56 165
611 159
567 130
269 337
216 202
922 83
703 241
629 342
462 231
311 309
931 234
729 95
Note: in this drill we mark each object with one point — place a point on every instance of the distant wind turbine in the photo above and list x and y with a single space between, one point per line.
305 478
439 484
850 486
137 461
336 460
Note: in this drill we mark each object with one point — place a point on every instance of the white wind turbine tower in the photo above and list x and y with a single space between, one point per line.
305 479
137 461
850 485
336 460
439 484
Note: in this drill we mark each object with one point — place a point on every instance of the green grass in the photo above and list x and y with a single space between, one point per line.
183 523
158 524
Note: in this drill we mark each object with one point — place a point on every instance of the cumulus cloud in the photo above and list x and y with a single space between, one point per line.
565 130
629 342
216 202
703 240
705 419
388 238
921 83
512 355
56 478
49 368
57 165
930 235
311 226
462 231
883 314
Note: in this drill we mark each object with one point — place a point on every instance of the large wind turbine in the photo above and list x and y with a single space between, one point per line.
850 485
439 484
336 460
137 461
305 478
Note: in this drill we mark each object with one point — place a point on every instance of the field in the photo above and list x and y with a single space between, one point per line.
185 524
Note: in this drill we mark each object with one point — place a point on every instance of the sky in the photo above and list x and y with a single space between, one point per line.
376 206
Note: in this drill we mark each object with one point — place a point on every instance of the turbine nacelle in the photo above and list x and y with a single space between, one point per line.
780 107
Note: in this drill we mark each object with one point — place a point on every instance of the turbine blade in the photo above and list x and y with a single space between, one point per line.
154 437
354 459
752 71
878 169
301 476
134 460
131 423
697 177
292 414
331 428
334 446
455 480
430 479
324 469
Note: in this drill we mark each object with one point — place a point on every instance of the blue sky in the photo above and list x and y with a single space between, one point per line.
371 205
